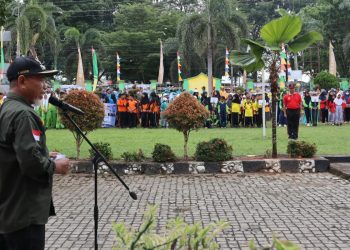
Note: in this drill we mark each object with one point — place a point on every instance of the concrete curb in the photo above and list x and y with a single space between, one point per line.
340 169
230 167
337 158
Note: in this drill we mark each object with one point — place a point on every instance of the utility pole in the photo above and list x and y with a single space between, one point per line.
231 78
18 51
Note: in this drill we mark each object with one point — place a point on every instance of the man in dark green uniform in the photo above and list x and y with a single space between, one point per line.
26 168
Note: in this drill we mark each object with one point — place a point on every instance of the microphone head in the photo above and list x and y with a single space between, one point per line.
133 195
54 101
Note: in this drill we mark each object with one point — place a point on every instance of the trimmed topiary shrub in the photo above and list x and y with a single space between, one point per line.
163 153
133 157
301 149
214 150
185 114
91 120
104 148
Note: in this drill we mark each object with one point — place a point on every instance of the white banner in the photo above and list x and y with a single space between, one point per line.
110 115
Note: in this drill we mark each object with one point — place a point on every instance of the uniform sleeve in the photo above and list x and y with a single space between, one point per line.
31 151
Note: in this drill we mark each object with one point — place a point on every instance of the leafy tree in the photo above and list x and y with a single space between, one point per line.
185 114
91 120
137 40
332 19
202 32
3 12
74 40
275 34
35 27
326 80
187 6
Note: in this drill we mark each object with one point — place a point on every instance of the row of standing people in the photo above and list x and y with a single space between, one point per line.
131 112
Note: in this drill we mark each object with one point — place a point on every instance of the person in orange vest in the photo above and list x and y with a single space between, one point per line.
122 111
154 106
132 110
144 105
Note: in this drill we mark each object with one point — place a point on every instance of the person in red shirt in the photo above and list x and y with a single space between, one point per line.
292 104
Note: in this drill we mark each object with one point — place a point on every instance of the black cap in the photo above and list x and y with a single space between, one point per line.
25 65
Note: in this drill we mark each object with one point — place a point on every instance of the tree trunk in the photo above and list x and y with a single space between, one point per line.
210 61
186 135
273 80
78 143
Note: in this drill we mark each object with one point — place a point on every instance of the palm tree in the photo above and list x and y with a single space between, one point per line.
275 34
34 24
202 32
91 38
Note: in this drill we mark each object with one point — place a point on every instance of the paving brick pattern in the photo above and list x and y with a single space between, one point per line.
310 209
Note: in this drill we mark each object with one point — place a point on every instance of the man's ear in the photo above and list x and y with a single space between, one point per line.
21 82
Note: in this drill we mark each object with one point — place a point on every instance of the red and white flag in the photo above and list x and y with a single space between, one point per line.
36 134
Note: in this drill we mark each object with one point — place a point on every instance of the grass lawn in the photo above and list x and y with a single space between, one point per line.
245 141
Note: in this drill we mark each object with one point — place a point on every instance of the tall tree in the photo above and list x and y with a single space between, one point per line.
275 34
332 19
218 23
34 26
85 41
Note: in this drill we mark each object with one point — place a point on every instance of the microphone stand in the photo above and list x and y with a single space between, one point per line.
98 158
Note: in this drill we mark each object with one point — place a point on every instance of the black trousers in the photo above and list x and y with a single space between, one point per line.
307 114
347 114
28 238
144 120
132 120
259 119
324 115
293 116
234 117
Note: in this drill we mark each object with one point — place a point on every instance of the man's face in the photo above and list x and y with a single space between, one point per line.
32 88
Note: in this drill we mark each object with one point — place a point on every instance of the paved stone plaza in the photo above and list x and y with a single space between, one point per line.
310 209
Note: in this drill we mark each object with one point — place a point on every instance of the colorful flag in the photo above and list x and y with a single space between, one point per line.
332 63
161 65
285 68
80 72
94 68
227 67
2 60
179 66
118 68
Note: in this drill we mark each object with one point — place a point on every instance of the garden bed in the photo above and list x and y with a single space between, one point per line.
236 166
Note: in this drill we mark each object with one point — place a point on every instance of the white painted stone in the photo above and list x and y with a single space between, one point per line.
200 169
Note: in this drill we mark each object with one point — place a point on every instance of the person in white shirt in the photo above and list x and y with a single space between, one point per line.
338 110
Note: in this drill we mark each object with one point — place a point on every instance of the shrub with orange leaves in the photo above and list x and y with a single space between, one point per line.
185 114
93 108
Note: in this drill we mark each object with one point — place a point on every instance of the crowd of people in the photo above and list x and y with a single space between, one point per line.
137 108
235 110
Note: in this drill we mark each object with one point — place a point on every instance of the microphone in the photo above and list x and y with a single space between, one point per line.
65 106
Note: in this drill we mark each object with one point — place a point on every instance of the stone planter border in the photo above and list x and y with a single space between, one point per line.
286 165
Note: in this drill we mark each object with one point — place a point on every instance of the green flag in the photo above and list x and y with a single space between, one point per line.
95 68
2 62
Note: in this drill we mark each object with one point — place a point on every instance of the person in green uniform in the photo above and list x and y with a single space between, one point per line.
51 117
26 166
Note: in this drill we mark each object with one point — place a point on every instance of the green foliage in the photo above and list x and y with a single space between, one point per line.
104 148
301 149
163 153
91 120
185 114
326 80
179 235
275 34
214 150
133 157
276 245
